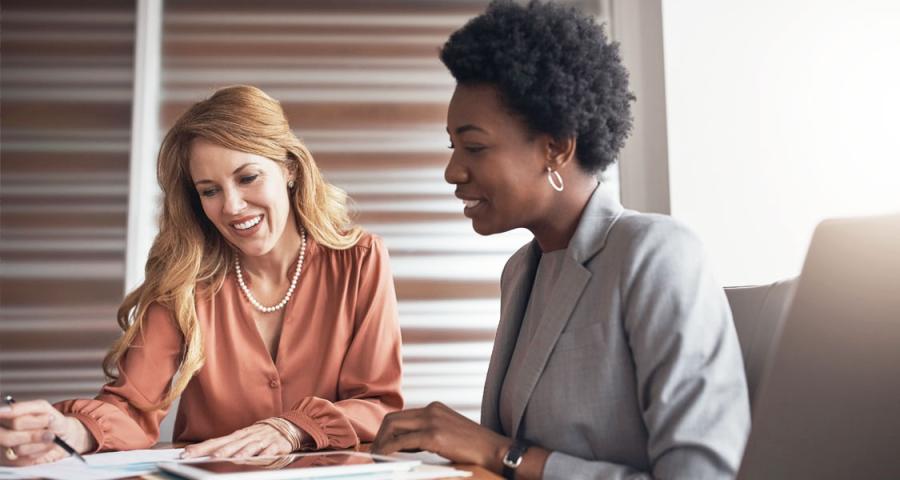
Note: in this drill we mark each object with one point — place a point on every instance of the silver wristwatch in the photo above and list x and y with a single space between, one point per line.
513 458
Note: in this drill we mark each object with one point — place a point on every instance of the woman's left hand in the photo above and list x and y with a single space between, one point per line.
439 429
255 440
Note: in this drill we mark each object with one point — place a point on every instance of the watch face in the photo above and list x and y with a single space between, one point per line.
512 463
513 457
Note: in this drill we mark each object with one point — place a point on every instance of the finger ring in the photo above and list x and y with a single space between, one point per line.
10 454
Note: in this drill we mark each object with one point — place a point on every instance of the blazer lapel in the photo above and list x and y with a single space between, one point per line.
573 279
598 217
513 301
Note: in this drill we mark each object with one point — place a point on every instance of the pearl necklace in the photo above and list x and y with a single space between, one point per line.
287 296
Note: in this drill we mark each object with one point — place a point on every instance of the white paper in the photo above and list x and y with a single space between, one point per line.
433 466
425 457
424 472
100 466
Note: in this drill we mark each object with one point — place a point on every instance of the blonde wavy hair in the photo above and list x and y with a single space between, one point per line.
189 256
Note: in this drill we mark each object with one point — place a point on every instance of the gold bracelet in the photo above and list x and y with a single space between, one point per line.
284 430
274 423
294 432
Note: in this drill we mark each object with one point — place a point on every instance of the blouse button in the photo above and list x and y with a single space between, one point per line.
273 384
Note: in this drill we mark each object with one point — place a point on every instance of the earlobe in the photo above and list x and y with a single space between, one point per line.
290 174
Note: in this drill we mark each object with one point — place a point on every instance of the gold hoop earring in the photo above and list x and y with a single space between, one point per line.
555 180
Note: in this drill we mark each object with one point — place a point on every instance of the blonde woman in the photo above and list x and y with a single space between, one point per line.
268 313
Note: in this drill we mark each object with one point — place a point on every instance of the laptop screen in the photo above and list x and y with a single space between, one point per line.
829 403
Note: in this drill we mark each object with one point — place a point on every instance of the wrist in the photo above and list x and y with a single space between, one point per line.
298 436
514 458
78 436
494 462
287 429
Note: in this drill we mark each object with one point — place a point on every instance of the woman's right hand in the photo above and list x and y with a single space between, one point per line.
27 429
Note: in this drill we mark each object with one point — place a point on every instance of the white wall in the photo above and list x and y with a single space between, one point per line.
643 162
781 113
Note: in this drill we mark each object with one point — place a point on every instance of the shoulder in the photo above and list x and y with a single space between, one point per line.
368 248
366 243
656 253
158 313
159 321
640 234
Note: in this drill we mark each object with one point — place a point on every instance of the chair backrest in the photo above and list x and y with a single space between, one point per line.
759 312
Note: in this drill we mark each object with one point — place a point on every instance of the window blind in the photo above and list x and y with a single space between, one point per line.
65 112
362 86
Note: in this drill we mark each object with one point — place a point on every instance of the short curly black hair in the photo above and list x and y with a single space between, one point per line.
553 66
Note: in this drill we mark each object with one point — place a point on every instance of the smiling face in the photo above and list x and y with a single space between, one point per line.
498 167
245 196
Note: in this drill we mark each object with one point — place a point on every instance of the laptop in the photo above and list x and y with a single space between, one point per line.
829 403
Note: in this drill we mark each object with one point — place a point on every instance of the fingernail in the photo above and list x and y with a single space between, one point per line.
5 408
47 437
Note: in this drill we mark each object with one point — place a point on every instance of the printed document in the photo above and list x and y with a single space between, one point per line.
100 466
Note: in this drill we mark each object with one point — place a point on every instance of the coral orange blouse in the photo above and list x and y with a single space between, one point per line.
336 373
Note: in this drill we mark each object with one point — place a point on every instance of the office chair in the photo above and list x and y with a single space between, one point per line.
759 312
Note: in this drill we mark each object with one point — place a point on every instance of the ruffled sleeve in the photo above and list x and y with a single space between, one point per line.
122 416
325 424
369 381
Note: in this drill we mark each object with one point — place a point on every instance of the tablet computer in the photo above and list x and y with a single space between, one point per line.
298 465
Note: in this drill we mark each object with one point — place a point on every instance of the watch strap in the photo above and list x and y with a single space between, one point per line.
513 458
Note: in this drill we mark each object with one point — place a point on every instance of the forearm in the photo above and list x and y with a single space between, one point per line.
111 425
559 466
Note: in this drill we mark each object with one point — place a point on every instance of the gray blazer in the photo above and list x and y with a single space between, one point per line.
635 370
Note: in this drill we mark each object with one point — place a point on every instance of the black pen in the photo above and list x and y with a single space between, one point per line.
62 443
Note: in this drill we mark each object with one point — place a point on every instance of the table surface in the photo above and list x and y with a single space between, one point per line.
478 473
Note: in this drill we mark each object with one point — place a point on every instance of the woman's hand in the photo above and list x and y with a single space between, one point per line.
439 429
27 429
256 440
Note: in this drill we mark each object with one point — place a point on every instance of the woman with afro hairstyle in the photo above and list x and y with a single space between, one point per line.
615 356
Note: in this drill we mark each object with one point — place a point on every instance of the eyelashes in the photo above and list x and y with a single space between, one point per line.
244 180
473 149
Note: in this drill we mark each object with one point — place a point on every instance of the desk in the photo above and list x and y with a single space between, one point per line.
478 473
